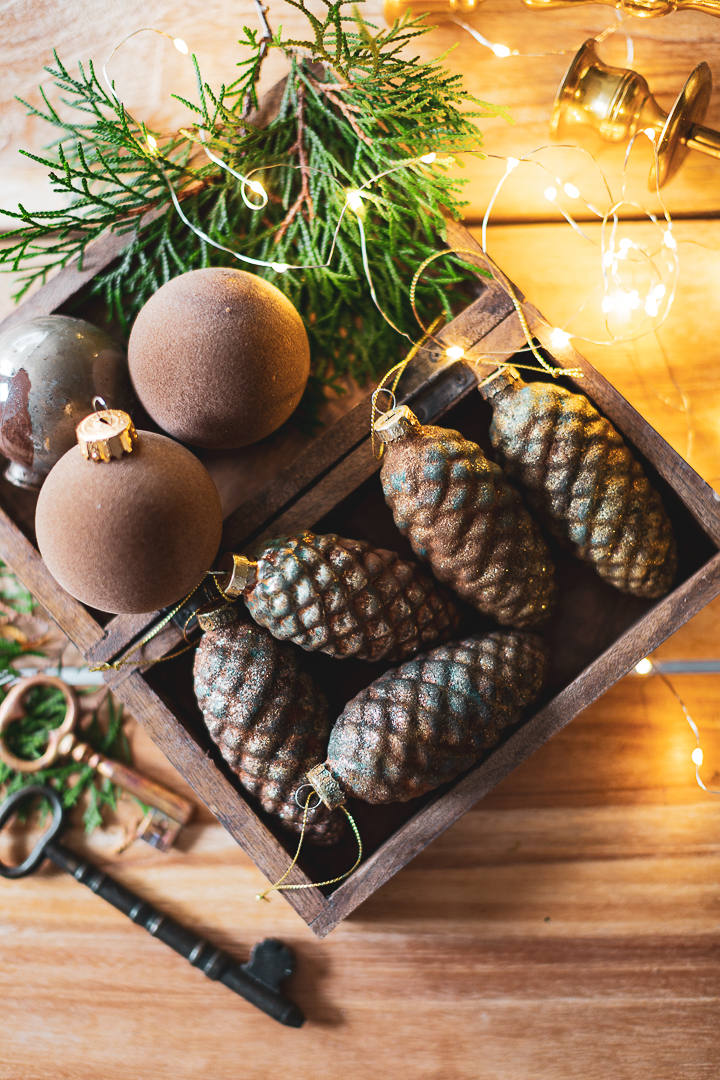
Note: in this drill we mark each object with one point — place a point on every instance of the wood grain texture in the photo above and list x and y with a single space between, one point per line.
580 669
639 641
565 927
148 70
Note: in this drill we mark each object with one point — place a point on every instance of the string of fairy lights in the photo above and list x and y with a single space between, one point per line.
615 252
647 667
615 255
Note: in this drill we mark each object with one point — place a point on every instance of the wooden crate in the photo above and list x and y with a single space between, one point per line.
596 636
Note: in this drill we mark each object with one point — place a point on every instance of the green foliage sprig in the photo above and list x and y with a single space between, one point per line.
27 738
44 711
354 104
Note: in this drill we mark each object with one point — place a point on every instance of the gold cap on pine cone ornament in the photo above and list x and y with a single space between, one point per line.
239 574
396 424
461 515
217 617
106 434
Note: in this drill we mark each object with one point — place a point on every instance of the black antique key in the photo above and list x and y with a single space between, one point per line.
258 981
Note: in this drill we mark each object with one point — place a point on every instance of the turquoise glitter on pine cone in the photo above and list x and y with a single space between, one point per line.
424 723
267 718
460 513
585 484
346 598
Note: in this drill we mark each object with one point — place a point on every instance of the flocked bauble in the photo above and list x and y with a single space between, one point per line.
426 722
583 481
267 717
132 533
219 357
51 368
342 597
460 513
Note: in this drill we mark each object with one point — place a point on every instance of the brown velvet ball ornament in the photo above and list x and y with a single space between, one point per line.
219 358
133 533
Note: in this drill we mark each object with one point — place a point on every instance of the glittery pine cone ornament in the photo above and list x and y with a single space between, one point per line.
266 716
342 597
583 481
421 725
461 514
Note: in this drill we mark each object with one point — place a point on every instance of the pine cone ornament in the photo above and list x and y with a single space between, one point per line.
421 725
460 513
266 716
582 480
342 597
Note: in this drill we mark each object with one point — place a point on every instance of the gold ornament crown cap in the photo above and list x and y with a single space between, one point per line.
239 574
396 424
499 381
217 618
106 434
326 786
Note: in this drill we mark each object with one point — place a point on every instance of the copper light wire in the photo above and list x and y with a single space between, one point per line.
353 200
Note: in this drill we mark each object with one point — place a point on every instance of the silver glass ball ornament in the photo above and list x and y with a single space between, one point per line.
51 368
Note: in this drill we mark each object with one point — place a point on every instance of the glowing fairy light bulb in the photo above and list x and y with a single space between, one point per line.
658 292
559 338
633 300
644 667
571 191
512 163
669 240
256 186
697 756
607 304
651 307
501 50
455 352
354 200
428 159
551 194
609 257
279 268
151 144
650 134
181 46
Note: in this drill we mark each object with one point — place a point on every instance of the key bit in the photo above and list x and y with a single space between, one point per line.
617 103
258 981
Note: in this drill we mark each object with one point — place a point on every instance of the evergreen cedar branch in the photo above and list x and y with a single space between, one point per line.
364 109
45 710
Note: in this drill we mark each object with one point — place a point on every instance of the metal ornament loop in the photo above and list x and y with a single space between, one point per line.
36 856
12 709
302 806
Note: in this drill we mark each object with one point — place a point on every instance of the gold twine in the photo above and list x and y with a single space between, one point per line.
279 887
505 284
399 368
116 665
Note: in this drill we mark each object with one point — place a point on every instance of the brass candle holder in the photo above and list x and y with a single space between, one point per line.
644 9
617 103
437 10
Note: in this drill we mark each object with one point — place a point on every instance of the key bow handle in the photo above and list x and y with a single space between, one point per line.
12 709
38 853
